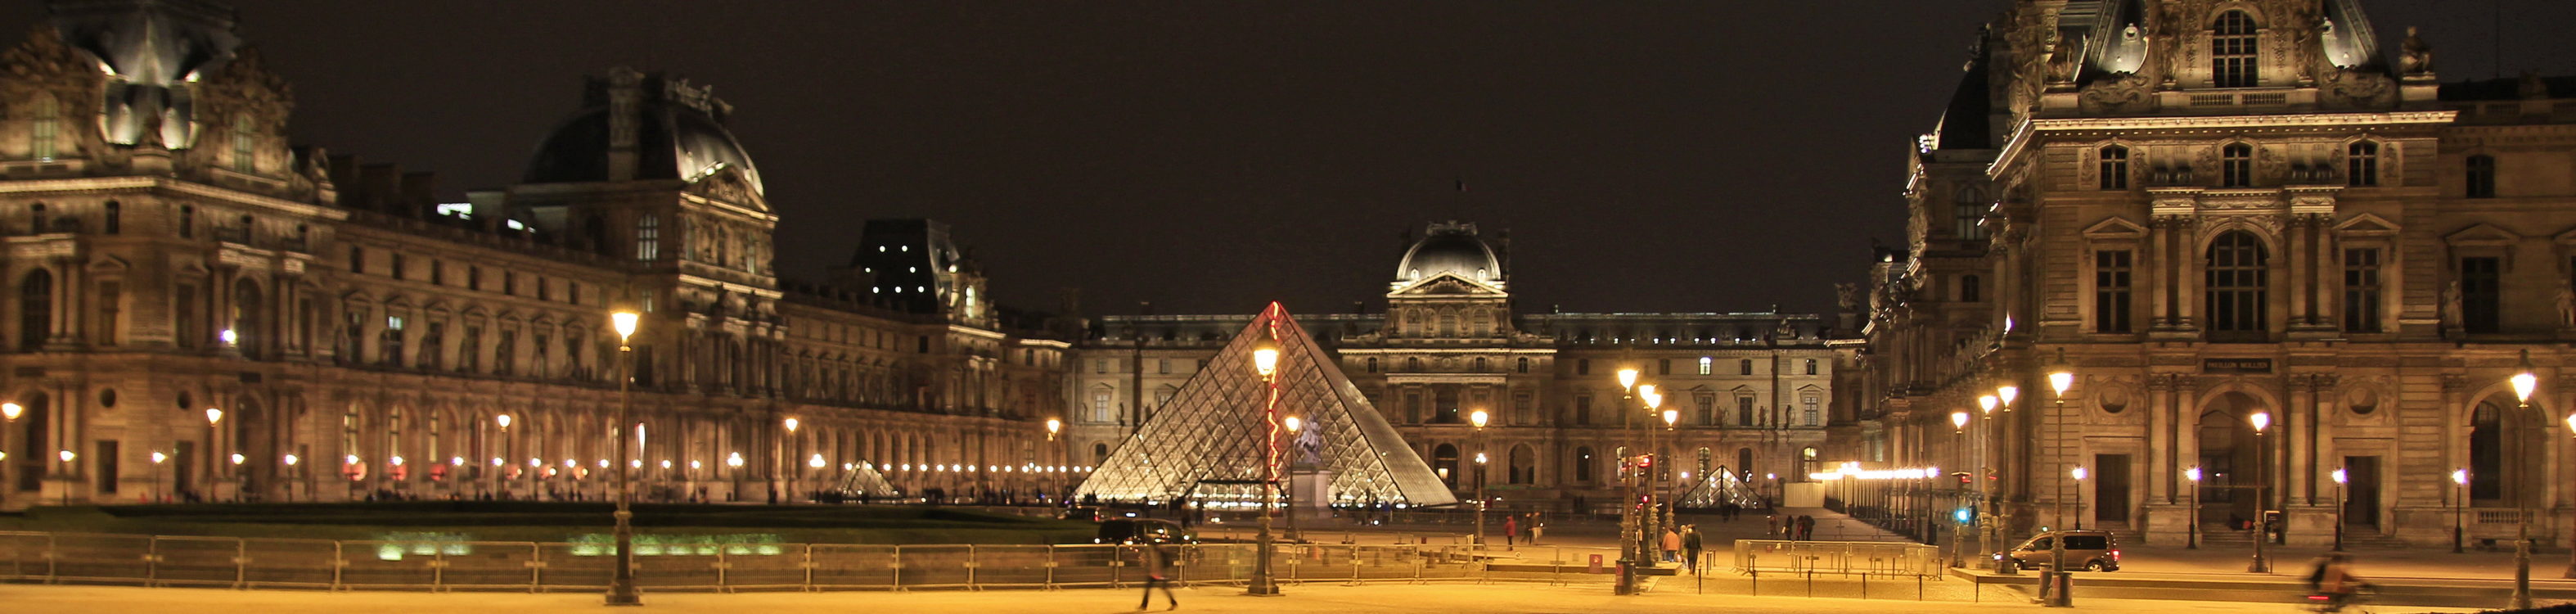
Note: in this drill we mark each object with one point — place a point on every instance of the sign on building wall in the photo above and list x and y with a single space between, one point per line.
2236 365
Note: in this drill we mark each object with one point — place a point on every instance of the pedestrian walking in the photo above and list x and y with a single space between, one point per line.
1511 528
1536 529
1672 545
1158 569
1806 528
1690 546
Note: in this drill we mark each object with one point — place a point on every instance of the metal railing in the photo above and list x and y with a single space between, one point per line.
233 562
1839 558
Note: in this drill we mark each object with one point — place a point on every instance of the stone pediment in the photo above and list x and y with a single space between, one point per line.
2366 224
728 185
1447 285
2115 228
2482 235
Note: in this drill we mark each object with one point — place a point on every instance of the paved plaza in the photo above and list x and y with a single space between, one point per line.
26 599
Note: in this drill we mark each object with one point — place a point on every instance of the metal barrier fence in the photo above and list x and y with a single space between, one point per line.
1840 558
539 567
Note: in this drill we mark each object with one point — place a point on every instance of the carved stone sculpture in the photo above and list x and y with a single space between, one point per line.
2415 57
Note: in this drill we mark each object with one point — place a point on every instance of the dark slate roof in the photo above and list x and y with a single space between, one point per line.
2506 89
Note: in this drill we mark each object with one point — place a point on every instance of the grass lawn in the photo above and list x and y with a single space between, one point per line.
555 522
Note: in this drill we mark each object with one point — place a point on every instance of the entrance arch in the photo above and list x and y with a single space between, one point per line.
2230 457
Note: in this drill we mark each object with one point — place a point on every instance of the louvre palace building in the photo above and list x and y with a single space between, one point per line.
1751 392
199 310
2219 214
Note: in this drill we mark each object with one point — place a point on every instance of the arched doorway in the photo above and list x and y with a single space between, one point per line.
1444 461
2230 461
2505 446
35 430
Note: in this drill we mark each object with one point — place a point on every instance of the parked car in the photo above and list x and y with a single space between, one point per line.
1141 530
1086 513
2085 550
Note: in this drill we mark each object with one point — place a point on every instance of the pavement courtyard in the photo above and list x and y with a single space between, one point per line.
1299 598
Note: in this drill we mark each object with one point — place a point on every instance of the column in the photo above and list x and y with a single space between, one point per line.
2160 463
2186 272
2298 253
2153 268
2298 468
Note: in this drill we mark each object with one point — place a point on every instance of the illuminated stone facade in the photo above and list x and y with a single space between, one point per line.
168 254
2217 209
1753 391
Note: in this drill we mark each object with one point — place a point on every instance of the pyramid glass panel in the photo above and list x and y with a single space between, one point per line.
864 480
1719 488
1211 443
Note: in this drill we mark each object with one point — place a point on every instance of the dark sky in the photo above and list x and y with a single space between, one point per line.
1697 155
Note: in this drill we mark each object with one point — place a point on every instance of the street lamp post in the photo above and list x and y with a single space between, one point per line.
9 412
291 461
2191 530
786 453
1671 416
1478 418
2459 508
2078 473
621 585
2571 557
157 459
2523 384
236 474
2061 376
1628 522
498 465
2262 473
1650 538
2339 478
1991 520
1265 360
213 448
1959 440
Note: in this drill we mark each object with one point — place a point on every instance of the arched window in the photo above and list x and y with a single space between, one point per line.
2236 166
2233 51
648 238
1100 454
2482 176
2361 164
1444 461
1372 364
1583 465
2486 453
1968 208
35 311
2237 280
2115 167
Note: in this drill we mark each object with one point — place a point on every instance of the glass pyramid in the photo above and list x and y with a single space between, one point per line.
1719 488
865 479
1208 444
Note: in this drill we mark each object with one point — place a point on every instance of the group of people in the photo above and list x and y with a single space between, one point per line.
1793 528
1682 545
1514 528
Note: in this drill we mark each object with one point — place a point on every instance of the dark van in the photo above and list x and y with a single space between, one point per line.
1139 530
2085 550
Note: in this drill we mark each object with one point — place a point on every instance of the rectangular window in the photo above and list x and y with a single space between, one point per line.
1413 407
397 271
243 141
2481 294
2115 168
469 350
357 260
505 353
1808 413
2233 51
1664 366
1100 365
1744 411
1524 409
1100 406
1707 410
2111 270
648 238
2482 176
185 299
2361 291
1163 366
1583 409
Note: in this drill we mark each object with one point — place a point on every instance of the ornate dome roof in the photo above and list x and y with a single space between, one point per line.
1451 248
679 134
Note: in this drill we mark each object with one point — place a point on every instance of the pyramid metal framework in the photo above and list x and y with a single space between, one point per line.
865 479
1207 444
1719 488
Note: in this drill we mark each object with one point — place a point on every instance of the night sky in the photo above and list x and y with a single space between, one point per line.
1646 156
